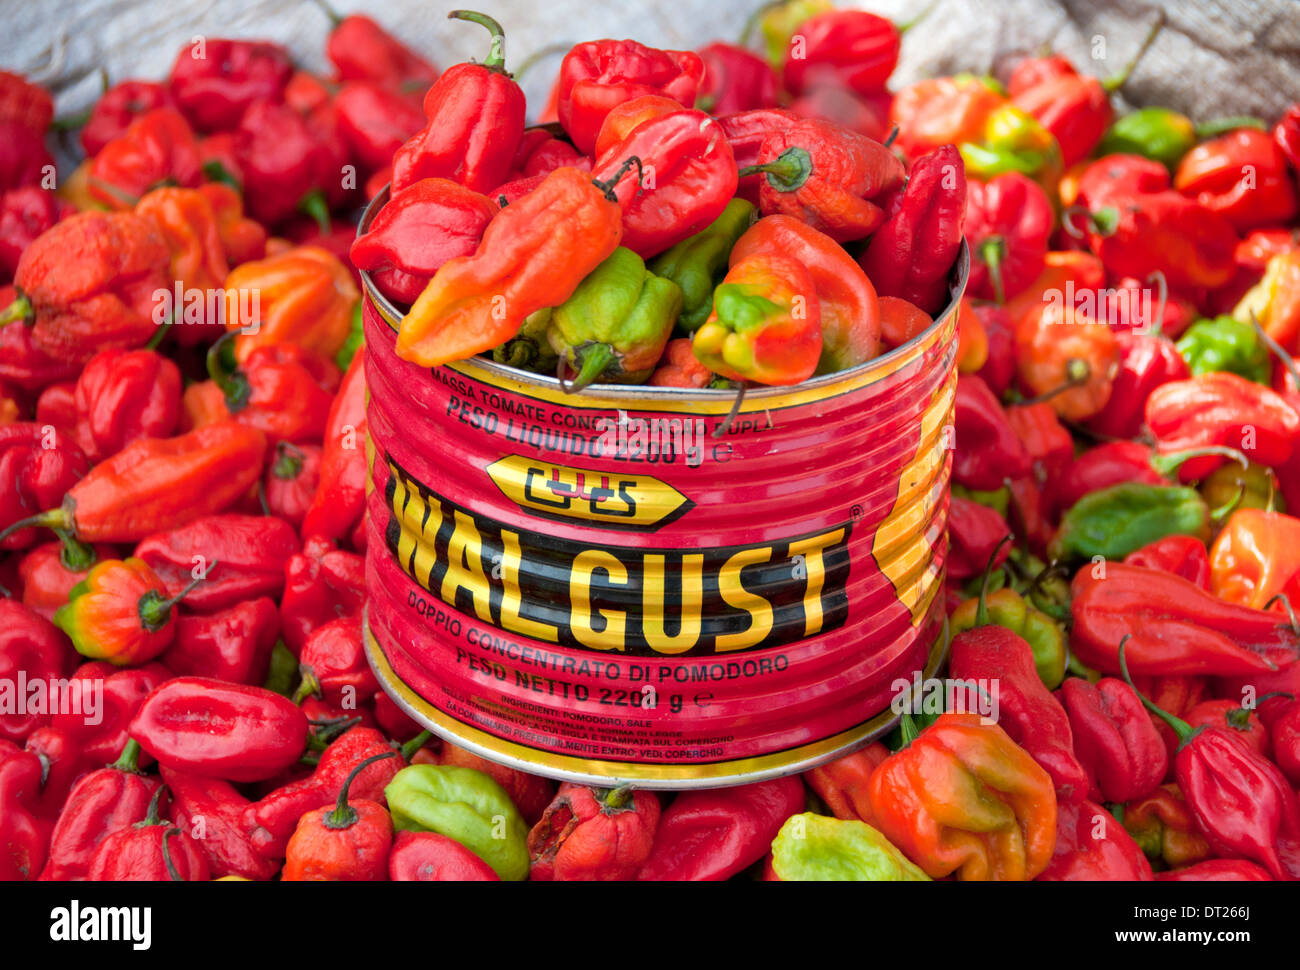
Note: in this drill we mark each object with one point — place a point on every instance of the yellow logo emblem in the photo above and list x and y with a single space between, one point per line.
607 499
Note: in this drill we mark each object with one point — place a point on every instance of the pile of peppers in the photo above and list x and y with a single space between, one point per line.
182 479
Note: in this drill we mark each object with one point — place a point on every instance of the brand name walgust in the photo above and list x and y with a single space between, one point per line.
636 601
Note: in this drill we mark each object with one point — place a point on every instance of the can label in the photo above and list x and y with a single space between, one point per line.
616 586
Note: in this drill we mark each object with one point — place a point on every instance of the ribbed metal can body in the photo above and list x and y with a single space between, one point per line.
605 587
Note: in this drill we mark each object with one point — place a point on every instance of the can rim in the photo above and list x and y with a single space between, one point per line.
958 276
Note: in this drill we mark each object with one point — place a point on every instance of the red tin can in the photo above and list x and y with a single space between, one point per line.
596 588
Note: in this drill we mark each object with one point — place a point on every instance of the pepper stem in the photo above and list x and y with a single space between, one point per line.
156 612
496 59
53 519
1077 373
607 186
344 815
594 361
19 309
907 729
1221 126
129 759
907 25
982 608
993 251
1286 603
1181 728
1278 351
160 334
787 172
75 556
152 817
1118 81
725 425
415 744
1228 507
172 874
330 12
288 461
1166 465
313 205
310 684
325 731
1158 277
230 380
893 132
537 55
615 799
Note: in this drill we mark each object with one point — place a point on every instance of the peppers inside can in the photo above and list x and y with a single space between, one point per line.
616 586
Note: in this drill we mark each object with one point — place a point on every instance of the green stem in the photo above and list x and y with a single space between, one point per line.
1184 731
152 817
230 380
19 309
156 612
982 609
992 252
75 556
1077 373
344 815
787 172
1166 465
907 25
1221 126
58 518
415 744
329 11
725 425
1118 81
594 361
1277 350
309 686
167 855
288 461
313 204
607 186
496 59
907 729
129 759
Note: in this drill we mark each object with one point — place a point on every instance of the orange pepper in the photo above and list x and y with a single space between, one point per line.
1067 189
533 254
843 783
1061 270
303 296
942 111
1162 824
900 320
1256 558
1067 358
1275 300
198 261
972 341
679 368
963 797
243 239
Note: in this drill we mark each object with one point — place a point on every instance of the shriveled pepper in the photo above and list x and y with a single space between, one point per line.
1226 344
1114 738
125 395
1027 711
216 79
1241 175
243 556
712 835
155 484
765 325
1255 559
814 848
591 834
699 263
211 811
1091 846
188 222
533 254
89 283
465 805
431 221
1175 627
271 820
911 255
598 75
614 327
745 132
349 844
1222 409
1241 802
303 296
101 803
1164 828
120 613
963 797
430 857
157 148
850 320
1113 522
827 176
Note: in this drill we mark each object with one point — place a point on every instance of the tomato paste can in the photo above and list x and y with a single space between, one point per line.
600 587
